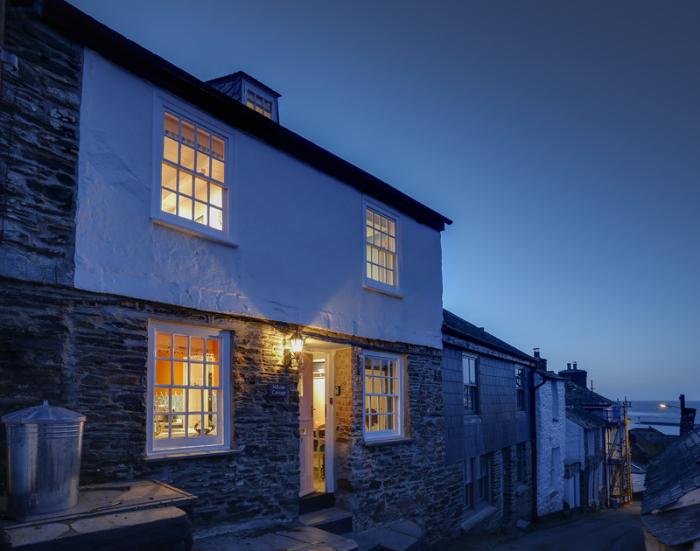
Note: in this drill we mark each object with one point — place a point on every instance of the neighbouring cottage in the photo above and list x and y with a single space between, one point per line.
236 310
550 430
671 505
617 458
584 463
487 388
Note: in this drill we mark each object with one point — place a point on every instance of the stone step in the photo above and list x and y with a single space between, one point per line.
330 519
315 502
401 535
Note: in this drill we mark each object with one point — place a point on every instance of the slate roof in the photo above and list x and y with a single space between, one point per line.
83 29
459 327
577 395
673 473
675 527
583 418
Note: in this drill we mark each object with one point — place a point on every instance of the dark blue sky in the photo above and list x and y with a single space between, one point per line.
562 138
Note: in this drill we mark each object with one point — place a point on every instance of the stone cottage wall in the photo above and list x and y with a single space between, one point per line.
551 435
39 122
88 352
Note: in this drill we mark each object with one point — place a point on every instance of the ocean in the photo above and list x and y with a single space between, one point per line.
644 413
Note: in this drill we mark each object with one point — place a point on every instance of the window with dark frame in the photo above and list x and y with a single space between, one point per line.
469 483
470 378
483 478
521 463
520 388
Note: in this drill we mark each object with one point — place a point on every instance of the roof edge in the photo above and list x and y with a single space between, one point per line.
80 27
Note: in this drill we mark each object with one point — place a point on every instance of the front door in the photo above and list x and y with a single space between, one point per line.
306 425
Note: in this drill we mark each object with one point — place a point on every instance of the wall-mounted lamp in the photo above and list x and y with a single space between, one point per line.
296 342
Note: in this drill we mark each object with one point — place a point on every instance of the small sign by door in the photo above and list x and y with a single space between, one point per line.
278 390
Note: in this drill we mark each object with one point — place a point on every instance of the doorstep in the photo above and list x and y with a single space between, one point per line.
477 517
296 537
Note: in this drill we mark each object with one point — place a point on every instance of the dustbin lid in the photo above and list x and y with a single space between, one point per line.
43 414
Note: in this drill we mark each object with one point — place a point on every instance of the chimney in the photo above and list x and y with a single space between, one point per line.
540 362
687 417
575 375
536 352
249 91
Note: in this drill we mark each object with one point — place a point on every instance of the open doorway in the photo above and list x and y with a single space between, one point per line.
316 418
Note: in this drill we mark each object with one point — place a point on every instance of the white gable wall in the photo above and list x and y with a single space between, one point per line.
299 233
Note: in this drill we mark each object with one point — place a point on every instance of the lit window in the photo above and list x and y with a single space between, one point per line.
383 381
259 104
470 378
380 248
192 173
188 386
520 388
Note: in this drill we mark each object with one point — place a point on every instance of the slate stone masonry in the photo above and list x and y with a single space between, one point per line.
39 124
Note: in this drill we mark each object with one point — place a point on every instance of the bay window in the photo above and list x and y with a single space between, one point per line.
188 389
383 389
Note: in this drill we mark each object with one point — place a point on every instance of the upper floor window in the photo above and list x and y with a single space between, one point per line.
188 386
193 175
470 378
259 103
520 388
383 389
380 249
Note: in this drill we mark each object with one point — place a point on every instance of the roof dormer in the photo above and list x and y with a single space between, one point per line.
250 92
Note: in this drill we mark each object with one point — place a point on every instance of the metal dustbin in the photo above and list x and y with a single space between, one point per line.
43 459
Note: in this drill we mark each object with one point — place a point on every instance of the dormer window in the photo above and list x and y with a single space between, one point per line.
259 104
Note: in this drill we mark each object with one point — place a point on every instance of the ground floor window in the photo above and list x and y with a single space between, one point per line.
188 387
469 483
383 389
520 462
483 480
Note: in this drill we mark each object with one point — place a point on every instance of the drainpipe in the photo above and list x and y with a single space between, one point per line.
2 36
533 424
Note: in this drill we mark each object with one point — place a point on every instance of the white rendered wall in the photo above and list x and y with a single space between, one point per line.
551 435
300 254
574 444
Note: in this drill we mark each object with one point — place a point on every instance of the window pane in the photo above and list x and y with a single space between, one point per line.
161 400
163 345
216 218
197 374
216 195
203 141
160 426
194 425
200 213
180 373
194 400
200 189
211 400
170 149
212 375
163 372
218 148
202 164
187 159
169 176
184 182
177 400
187 133
217 170
171 125
211 421
197 348
180 342
184 207
212 350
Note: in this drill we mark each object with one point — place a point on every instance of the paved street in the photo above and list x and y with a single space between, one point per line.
618 530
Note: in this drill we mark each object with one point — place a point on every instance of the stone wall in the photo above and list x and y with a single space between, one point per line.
39 121
88 352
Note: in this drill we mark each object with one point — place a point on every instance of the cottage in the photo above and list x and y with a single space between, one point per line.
489 415
584 482
236 310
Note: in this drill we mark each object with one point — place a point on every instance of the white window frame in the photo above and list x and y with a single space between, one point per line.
168 104
369 283
248 85
398 432
203 444
476 409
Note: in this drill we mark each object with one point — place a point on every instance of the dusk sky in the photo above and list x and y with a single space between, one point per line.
562 138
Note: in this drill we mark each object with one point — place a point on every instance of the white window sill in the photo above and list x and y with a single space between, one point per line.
388 441
202 233
184 454
383 291
472 417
